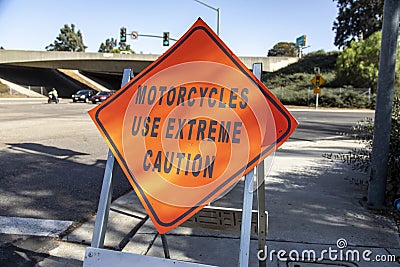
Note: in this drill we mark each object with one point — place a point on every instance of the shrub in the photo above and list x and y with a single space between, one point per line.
360 159
329 99
358 64
393 187
354 99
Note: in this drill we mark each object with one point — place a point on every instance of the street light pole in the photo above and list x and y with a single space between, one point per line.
215 9
218 21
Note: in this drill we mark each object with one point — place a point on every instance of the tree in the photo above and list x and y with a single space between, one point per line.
283 49
122 46
68 40
358 64
357 20
108 45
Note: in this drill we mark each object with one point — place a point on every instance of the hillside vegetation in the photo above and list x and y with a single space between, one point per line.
292 84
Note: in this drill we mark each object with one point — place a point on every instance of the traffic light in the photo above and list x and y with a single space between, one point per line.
123 35
166 39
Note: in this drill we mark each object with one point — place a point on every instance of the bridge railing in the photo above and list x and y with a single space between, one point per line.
38 89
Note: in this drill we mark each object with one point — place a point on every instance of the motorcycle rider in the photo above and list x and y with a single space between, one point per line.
53 94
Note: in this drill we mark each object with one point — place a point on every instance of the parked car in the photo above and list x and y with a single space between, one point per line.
83 95
101 96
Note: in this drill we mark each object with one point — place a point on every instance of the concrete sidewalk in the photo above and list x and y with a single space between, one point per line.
314 204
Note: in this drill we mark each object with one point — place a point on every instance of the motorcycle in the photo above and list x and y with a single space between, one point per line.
52 98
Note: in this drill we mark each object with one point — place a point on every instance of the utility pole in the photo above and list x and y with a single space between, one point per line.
384 103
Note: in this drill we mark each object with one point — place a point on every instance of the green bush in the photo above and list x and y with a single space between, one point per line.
292 97
355 100
295 80
329 99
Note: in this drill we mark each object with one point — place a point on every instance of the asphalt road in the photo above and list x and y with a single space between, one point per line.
323 124
52 161
52 157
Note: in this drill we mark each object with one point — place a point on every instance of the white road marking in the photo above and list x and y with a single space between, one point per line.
33 227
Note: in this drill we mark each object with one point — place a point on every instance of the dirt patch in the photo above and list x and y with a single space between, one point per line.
14 95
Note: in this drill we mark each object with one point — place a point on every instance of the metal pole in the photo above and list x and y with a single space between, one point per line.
156 36
218 21
246 220
384 102
369 95
262 220
316 101
103 210
165 246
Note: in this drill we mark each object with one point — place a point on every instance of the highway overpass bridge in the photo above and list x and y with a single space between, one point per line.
95 70
110 63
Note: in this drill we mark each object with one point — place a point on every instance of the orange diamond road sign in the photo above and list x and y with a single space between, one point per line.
190 125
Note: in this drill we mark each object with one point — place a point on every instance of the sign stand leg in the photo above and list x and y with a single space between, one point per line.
246 220
165 246
262 220
103 209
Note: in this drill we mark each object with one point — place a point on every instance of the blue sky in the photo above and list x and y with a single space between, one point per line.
248 27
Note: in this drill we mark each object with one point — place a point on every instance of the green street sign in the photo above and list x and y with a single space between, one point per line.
301 41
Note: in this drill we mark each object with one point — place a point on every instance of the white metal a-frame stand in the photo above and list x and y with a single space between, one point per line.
96 256
248 205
